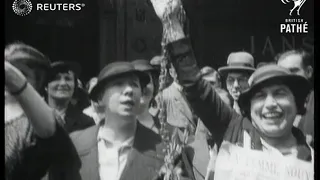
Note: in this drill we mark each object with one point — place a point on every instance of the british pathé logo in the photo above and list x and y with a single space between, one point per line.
297 5
294 25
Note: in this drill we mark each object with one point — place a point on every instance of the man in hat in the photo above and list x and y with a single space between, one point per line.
299 62
147 113
178 111
92 110
119 147
61 88
240 65
34 136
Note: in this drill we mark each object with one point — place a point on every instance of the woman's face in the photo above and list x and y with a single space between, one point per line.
273 110
62 86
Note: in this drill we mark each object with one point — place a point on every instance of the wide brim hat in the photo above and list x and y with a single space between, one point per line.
227 69
238 62
145 66
59 66
156 60
115 70
273 74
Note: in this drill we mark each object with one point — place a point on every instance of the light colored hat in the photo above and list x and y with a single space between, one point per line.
238 61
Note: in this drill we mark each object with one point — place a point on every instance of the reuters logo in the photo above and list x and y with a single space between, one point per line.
22 7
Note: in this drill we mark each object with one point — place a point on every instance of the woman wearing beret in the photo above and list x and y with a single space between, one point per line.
62 87
270 105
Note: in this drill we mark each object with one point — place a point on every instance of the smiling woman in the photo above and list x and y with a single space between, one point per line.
61 88
272 111
265 128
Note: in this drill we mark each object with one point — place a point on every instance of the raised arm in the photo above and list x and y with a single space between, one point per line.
202 97
40 115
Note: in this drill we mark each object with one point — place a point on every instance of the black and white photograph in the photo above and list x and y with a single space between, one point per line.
159 90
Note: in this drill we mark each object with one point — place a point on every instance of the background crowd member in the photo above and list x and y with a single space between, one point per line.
300 62
240 65
62 87
93 110
177 108
34 136
211 75
80 98
148 103
270 105
260 64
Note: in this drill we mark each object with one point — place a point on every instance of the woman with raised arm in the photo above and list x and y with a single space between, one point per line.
263 142
34 138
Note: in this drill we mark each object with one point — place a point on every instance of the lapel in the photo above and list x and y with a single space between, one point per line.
87 147
71 117
144 160
146 157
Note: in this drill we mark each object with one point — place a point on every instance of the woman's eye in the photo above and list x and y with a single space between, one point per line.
57 78
117 83
135 84
258 95
281 92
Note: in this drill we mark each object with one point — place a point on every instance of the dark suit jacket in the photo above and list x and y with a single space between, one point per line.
143 163
76 120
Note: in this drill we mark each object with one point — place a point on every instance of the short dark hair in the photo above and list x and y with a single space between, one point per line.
307 58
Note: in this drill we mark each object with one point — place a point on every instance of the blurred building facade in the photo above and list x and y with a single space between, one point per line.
108 30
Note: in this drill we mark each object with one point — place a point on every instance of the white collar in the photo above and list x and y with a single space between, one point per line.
105 133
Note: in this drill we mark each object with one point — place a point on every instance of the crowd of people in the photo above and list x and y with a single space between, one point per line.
57 128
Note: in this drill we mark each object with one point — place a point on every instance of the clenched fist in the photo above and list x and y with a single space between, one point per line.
14 79
166 9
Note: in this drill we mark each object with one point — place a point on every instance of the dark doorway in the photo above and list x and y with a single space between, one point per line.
61 35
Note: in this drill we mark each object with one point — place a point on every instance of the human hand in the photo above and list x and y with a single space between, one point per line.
165 174
14 79
166 10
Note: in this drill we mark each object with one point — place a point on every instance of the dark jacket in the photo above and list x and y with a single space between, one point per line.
222 121
76 120
307 121
144 161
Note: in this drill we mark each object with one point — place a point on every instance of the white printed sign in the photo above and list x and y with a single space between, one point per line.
237 163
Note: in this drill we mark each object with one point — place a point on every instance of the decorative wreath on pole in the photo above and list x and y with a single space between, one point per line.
173 147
